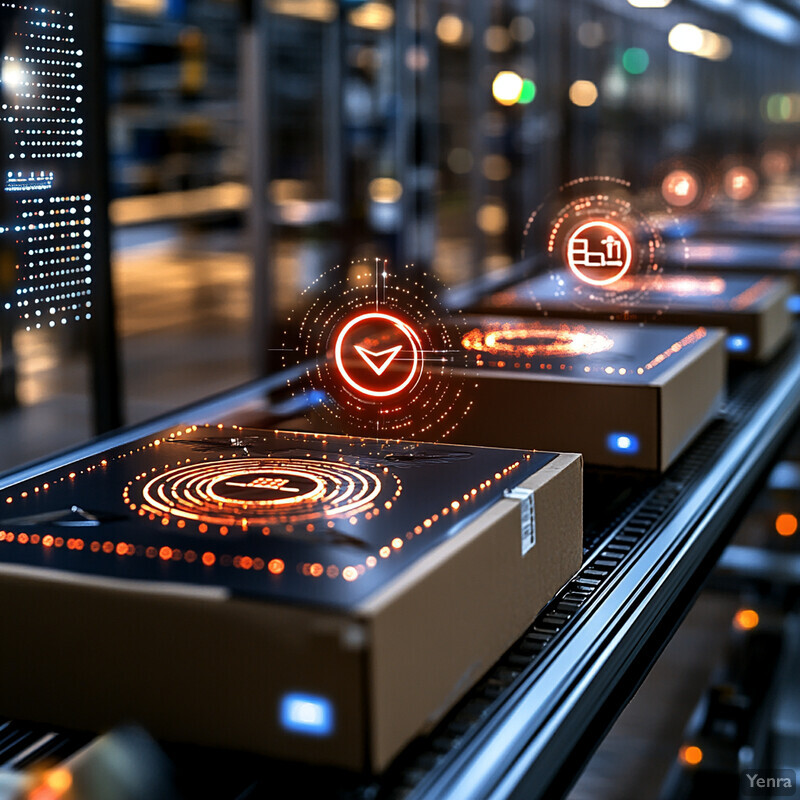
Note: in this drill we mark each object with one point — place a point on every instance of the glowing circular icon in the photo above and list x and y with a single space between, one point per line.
740 183
366 347
680 188
599 252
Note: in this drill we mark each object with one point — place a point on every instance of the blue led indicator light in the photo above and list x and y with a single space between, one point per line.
306 714
738 343
625 443
793 304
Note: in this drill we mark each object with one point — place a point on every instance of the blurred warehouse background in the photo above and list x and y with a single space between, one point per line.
253 146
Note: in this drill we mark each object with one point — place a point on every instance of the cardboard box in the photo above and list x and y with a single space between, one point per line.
753 309
303 596
622 395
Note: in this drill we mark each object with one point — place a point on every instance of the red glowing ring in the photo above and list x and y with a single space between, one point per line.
623 236
410 334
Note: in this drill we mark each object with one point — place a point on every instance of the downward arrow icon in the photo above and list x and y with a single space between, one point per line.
373 359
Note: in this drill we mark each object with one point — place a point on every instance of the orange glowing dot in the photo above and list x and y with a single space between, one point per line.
202 527
209 559
165 553
59 780
23 538
316 570
691 755
104 463
349 573
223 530
9 500
397 543
59 542
427 523
9 537
276 566
745 619
384 552
247 562
371 561
473 492
108 547
786 524
94 547
122 548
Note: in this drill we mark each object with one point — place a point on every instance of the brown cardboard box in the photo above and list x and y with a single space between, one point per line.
636 404
752 308
201 657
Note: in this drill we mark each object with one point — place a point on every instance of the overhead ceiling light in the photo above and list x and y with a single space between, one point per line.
770 21
687 38
649 3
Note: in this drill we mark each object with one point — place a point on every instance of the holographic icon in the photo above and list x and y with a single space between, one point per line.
740 183
378 352
599 252
364 367
680 188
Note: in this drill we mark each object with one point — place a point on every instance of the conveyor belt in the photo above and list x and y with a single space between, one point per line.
527 727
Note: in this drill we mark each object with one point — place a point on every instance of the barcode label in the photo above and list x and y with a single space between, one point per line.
527 514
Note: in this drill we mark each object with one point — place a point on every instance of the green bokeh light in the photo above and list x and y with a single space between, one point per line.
635 60
528 92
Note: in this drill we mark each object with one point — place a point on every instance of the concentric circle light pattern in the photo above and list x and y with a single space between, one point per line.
537 340
247 492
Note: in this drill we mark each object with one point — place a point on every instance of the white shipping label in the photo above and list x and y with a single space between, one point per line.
527 513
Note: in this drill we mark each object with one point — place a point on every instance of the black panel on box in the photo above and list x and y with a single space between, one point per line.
670 292
297 517
596 352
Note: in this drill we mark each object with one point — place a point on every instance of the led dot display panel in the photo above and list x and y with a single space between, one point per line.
47 215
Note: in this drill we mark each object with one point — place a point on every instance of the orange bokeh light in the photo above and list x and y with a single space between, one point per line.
276 566
740 183
745 619
680 188
786 524
691 755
